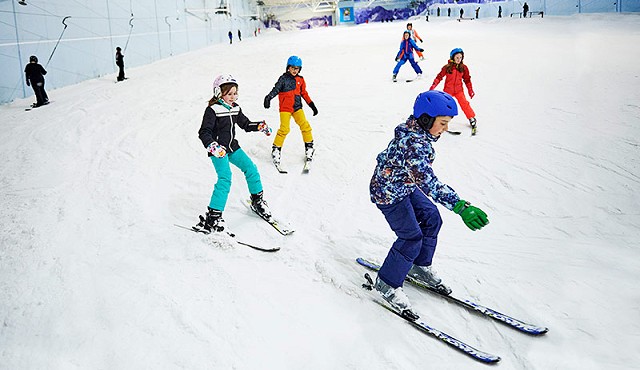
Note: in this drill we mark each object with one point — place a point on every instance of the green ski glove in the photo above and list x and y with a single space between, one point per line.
473 217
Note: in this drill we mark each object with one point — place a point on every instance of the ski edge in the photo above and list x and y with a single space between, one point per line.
453 342
506 319
280 226
262 249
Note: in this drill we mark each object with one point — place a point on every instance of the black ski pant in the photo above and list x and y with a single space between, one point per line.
121 73
41 95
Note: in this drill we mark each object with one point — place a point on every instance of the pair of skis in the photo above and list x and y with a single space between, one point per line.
305 168
456 343
282 227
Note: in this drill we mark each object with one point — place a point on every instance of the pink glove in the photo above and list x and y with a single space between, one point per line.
216 150
263 127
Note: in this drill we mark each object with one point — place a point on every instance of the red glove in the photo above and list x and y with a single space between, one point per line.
471 93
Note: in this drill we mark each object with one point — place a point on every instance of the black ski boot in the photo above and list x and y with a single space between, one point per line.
308 150
260 206
474 125
275 154
214 221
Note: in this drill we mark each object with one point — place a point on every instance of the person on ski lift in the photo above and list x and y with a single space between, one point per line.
217 134
34 74
401 185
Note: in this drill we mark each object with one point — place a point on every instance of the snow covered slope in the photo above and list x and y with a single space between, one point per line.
93 274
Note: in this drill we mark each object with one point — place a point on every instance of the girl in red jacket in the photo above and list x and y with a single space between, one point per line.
455 72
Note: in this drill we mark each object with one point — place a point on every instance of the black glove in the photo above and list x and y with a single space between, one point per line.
313 108
267 102
420 40
397 59
28 83
421 50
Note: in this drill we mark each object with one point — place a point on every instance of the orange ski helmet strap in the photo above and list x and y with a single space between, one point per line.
221 80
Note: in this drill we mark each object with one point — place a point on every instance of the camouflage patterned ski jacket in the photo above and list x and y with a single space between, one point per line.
406 165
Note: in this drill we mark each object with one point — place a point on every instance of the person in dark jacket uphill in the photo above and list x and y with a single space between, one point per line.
34 74
217 134
291 89
401 185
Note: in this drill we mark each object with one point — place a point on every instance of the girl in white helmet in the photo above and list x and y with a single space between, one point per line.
217 134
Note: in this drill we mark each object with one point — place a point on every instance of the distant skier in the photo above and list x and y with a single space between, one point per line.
34 74
291 89
230 37
120 63
218 135
407 45
455 72
525 9
401 185
239 35
415 37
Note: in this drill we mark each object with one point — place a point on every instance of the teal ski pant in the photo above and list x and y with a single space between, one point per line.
222 165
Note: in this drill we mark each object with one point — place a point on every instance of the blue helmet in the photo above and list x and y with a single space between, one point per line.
294 61
432 104
456 51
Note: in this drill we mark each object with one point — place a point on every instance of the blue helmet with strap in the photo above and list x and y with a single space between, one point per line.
294 61
431 104
456 51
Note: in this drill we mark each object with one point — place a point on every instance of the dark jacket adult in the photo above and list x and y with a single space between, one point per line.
219 125
34 73
119 59
290 90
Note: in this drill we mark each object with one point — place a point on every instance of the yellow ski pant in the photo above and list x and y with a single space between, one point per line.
283 131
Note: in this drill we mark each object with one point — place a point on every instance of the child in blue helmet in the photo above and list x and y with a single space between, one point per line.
401 185
407 45
291 89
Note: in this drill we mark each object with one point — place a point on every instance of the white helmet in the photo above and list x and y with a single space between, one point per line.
221 80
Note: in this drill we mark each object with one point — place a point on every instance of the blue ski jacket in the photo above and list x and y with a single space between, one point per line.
406 49
406 165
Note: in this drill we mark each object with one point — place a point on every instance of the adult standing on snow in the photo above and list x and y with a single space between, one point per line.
455 72
34 74
401 185
218 135
291 89
407 45
415 37
239 35
120 63
230 37
525 9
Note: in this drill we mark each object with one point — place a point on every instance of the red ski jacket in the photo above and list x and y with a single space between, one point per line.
453 81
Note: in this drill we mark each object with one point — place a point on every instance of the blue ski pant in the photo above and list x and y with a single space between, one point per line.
222 166
416 222
402 61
